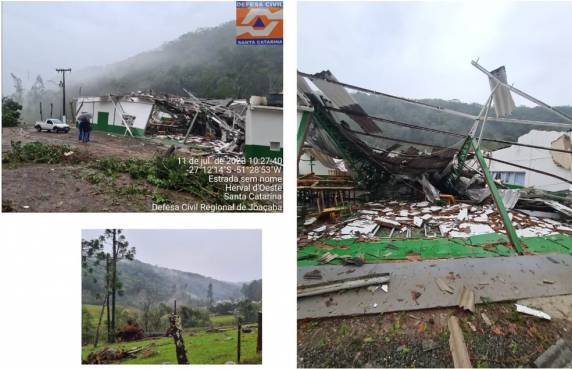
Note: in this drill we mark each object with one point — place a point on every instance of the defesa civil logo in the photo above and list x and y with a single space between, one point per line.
259 23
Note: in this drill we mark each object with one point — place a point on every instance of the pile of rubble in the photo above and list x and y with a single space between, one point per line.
131 331
216 125
112 355
395 219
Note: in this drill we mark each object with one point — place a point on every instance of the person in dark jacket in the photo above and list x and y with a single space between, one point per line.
84 128
87 132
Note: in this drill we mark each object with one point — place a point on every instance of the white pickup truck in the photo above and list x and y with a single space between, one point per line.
52 125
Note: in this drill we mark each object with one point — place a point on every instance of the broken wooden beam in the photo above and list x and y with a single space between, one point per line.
457 344
321 289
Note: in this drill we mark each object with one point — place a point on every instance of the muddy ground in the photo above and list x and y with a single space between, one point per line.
420 338
29 187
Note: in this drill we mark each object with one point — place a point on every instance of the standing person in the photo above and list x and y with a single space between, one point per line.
87 131
80 138
84 127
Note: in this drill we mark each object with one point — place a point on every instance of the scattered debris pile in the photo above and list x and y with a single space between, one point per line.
398 219
217 125
132 331
110 355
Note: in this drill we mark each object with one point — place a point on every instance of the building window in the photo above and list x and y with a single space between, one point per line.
274 146
516 178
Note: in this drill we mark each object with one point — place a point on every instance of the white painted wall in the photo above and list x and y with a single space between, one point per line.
263 125
138 108
533 158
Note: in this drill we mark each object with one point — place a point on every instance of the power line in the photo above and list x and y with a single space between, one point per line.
63 71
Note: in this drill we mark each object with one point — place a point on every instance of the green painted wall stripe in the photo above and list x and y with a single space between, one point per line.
118 129
259 151
302 130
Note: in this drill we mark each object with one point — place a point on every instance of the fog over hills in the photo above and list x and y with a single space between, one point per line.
139 280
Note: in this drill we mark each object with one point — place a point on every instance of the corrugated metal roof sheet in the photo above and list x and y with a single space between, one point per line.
504 104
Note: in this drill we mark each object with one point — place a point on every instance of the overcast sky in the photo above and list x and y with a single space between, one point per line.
424 50
227 255
37 37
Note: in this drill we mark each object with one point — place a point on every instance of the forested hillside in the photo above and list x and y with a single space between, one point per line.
390 109
206 62
141 282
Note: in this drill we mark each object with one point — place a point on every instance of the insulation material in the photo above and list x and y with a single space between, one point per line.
337 114
340 98
431 192
509 197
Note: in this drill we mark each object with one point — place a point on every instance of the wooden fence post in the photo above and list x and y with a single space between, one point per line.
238 340
259 337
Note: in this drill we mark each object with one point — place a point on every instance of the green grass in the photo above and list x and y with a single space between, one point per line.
223 320
94 310
202 348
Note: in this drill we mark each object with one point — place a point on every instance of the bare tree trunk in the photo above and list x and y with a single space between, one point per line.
176 332
107 285
99 322
113 284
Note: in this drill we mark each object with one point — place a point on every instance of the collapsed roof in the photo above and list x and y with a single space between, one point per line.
342 129
179 117
218 125
353 127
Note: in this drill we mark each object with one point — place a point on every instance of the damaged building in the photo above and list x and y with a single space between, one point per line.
413 201
264 118
110 114
252 127
558 163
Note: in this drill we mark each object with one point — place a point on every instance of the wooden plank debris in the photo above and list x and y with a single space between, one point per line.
443 286
486 319
467 299
457 344
327 257
321 289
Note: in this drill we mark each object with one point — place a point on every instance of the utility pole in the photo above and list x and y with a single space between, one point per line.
63 71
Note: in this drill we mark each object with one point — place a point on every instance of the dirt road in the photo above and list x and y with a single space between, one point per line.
101 144
33 187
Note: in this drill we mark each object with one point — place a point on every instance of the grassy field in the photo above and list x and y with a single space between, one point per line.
95 310
216 320
202 348
223 320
